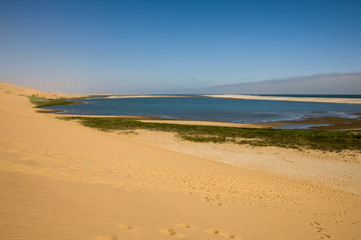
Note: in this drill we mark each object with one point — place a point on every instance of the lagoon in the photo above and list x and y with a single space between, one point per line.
211 109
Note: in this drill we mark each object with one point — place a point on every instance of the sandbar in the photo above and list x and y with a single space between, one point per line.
294 99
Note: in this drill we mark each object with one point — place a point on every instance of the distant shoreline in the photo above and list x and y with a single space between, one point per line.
312 98
292 99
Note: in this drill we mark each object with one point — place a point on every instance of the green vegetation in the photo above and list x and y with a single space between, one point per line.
300 139
45 102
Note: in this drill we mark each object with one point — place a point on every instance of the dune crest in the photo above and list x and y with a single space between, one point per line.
7 88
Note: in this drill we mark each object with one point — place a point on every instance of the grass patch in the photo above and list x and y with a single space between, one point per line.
46 102
299 139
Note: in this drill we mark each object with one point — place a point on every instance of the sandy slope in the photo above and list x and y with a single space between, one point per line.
7 88
60 180
336 170
295 99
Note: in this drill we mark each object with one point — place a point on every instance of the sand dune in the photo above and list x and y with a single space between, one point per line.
7 88
60 180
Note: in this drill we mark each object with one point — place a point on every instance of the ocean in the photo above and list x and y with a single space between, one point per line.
211 109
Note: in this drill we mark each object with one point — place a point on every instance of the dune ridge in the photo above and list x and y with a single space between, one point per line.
60 180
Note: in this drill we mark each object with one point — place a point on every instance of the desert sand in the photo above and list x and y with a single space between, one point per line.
60 180
295 99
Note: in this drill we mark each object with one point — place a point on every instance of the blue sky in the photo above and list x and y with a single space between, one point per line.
153 46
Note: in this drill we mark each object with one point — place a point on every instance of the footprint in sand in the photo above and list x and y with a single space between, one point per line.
125 226
325 236
211 231
183 225
105 237
215 231
315 223
168 231
227 235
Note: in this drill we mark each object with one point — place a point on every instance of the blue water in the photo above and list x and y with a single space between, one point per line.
211 109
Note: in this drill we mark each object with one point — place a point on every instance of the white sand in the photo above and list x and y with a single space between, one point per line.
295 99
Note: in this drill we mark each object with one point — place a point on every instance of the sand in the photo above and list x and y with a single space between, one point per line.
336 170
294 99
214 123
148 119
60 180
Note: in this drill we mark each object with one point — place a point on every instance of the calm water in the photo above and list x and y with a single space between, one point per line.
212 109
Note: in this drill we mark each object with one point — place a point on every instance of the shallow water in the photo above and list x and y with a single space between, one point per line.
211 109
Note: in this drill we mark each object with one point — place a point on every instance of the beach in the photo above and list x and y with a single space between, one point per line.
295 99
61 180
